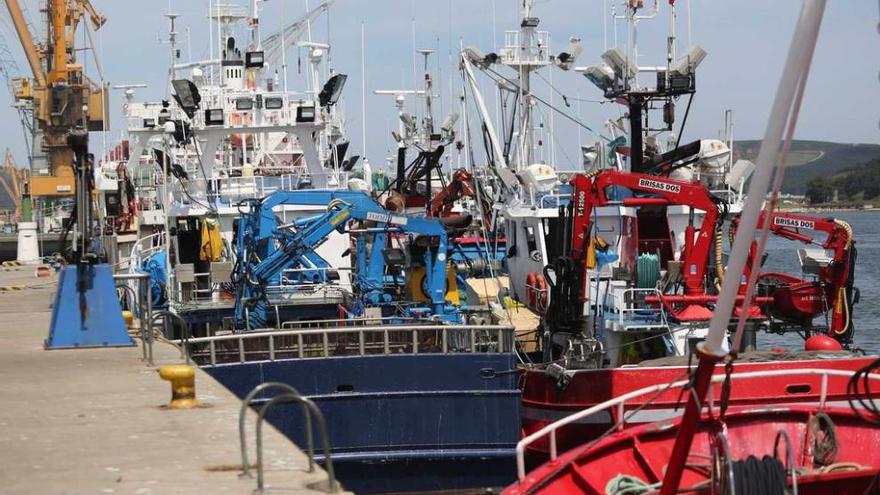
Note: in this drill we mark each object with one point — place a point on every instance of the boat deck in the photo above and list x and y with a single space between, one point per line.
92 421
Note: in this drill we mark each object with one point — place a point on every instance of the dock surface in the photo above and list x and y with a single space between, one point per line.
91 420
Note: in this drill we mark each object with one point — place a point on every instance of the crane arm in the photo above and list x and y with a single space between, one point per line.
593 192
291 33
264 249
97 19
27 42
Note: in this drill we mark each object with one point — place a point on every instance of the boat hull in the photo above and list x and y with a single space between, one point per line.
544 402
643 452
401 422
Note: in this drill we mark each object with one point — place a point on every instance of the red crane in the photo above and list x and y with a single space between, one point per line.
797 301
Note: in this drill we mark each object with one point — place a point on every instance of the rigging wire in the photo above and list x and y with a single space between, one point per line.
577 121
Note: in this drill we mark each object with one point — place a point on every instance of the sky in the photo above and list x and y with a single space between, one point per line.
746 41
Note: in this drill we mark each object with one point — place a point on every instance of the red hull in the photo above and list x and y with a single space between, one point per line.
543 402
643 452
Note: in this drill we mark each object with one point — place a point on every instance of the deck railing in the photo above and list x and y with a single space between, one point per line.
620 402
386 339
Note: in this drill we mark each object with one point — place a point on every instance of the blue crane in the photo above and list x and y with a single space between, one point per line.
266 250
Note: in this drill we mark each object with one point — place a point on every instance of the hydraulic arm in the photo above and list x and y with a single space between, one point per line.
798 301
265 248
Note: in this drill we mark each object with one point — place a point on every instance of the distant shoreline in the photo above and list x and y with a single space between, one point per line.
820 209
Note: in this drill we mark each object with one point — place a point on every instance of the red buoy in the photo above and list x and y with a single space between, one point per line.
822 343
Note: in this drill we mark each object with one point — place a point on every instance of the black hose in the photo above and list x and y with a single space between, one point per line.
859 393
753 476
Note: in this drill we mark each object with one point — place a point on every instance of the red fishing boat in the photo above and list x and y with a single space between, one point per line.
821 448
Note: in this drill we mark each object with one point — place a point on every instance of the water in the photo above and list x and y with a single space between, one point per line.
782 257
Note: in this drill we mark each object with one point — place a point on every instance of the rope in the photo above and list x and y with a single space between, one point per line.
725 387
766 476
824 439
624 484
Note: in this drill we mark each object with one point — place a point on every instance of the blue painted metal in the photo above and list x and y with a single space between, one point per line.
86 312
402 422
264 250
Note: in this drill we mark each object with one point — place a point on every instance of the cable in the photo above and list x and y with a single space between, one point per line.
533 95
859 393
752 476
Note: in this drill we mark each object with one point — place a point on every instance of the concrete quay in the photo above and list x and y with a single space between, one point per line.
91 421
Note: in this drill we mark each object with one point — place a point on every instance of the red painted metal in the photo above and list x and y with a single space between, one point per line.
802 300
544 402
688 427
643 452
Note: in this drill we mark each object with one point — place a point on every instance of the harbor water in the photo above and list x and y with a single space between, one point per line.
782 257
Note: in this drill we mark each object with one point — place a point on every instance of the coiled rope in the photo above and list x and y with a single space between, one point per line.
765 476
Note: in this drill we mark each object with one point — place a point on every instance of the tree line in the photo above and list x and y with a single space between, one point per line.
855 184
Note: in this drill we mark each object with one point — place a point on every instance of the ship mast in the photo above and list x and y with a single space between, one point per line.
780 130
526 51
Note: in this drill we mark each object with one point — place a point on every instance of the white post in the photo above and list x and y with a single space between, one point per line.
795 68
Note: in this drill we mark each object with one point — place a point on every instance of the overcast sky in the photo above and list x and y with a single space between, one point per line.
746 41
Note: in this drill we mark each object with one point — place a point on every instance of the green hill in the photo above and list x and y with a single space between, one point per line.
811 159
856 185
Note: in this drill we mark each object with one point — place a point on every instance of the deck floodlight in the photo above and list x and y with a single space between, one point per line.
478 58
687 63
254 60
601 75
273 103
187 96
623 65
214 116
244 104
448 126
332 90
566 58
305 113
409 123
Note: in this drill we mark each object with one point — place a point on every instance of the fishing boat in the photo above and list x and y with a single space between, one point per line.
625 260
717 446
280 266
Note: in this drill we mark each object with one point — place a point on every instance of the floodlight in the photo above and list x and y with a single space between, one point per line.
214 116
566 58
244 104
273 103
600 75
687 63
254 60
449 123
622 64
409 122
332 90
187 96
478 58
305 113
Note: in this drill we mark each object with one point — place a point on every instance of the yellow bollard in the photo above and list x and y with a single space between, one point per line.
128 317
183 385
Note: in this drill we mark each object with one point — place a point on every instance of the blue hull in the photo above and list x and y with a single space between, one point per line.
402 422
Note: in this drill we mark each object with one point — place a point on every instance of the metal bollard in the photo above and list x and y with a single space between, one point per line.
183 385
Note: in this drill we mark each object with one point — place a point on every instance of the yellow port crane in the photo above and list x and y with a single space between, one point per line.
61 96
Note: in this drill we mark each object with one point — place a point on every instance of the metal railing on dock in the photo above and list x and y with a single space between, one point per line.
143 299
310 410
348 341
